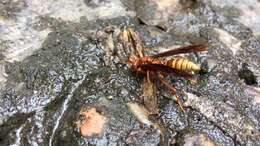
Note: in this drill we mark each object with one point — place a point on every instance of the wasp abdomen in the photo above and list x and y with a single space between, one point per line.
184 64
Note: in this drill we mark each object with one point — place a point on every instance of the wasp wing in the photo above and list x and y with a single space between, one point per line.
184 49
164 69
133 42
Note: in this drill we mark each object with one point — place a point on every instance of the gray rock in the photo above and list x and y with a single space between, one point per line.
55 61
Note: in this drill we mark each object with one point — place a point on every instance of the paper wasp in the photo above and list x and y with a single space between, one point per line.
156 67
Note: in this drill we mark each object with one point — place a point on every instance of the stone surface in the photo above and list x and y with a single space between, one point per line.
57 57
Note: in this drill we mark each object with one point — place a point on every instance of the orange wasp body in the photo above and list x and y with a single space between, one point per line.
155 67
178 66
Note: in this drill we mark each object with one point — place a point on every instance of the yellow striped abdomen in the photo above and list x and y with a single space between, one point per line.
183 64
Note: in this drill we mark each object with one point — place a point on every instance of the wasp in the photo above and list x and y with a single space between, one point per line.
157 66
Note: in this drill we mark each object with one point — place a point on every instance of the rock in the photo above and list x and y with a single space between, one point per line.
254 91
230 41
156 13
91 123
140 113
198 140
55 60
133 136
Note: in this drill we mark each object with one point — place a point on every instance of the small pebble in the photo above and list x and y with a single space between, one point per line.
91 123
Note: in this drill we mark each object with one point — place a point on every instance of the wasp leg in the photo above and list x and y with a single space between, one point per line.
173 89
199 59
148 77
